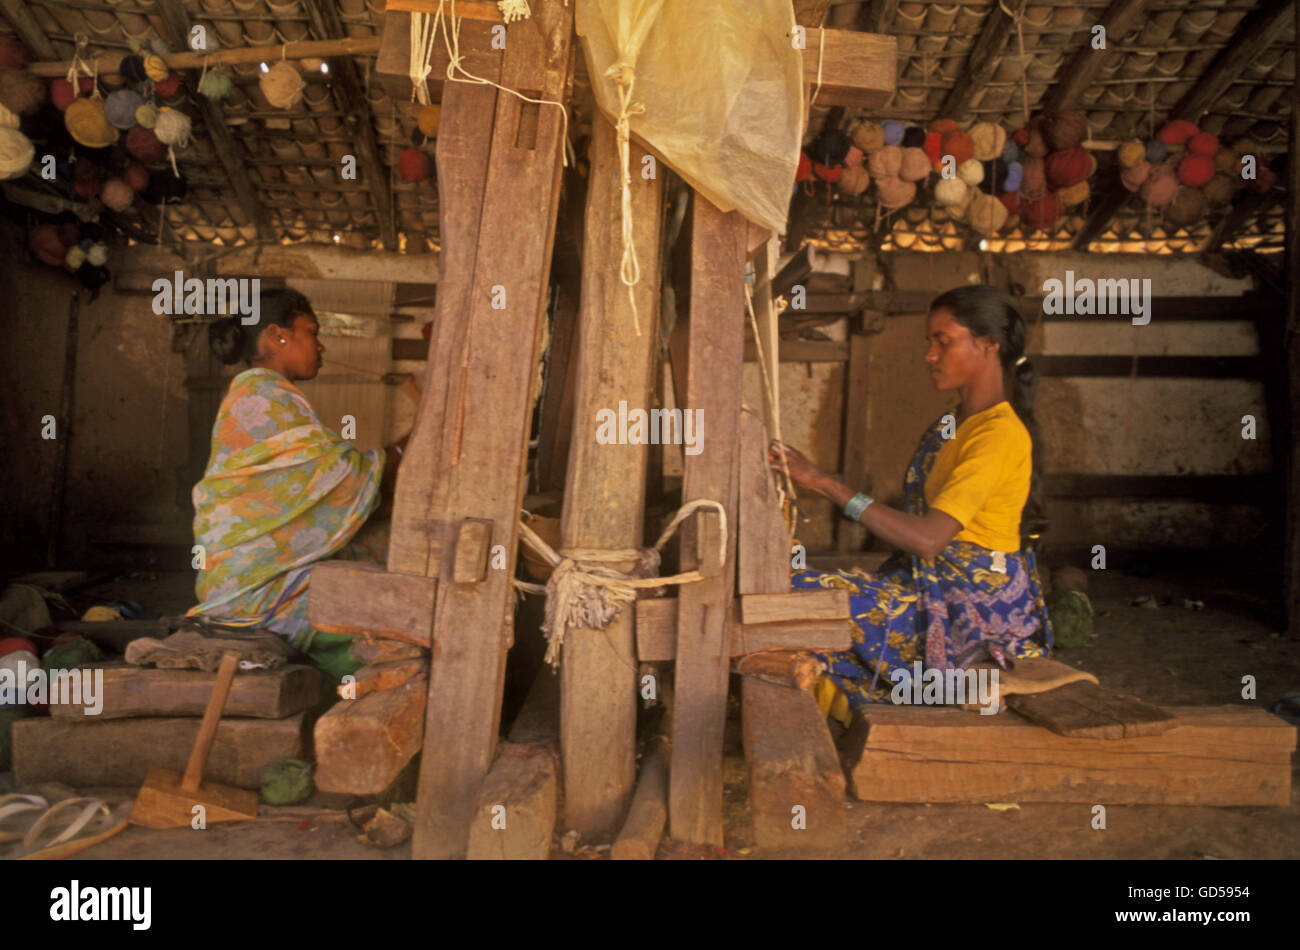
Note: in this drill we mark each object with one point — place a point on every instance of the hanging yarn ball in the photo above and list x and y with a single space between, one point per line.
12 54
62 92
1187 207
21 92
829 173
1035 145
1131 154
1156 151
16 153
1064 130
1160 187
287 782
147 115
155 68
1015 175
988 139
45 244
1219 190
120 107
894 192
72 260
868 136
1021 136
853 158
97 256
168 87
1195 171
215 85
913 137
804 171
1133 178
1041 212
131 68
1068 167
1227 161
173 127
117 194
914 165
1176 132
136 176
958 144
950 192
933 147
1075 194
8 118
986 214
143 144
1245 146
282 85
414 165
88 124
943 125
1203 143
854 180
885 162
1012 152
428 119
1033 184
829 147
971 172
893 132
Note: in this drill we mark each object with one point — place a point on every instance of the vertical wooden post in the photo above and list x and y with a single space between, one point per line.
605 495
1292 541
768 342
716 354
849 537
487 356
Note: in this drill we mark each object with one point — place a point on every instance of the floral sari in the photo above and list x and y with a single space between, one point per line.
967 605
281 492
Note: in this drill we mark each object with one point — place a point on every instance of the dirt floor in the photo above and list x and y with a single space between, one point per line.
1170 656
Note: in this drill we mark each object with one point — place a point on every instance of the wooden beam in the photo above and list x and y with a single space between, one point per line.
1291 465
1119 19
716 344
515 809
981 62
366 600
1220 755
1113 196
176 23
1247 206
350 95
855 465
858 70
29 31
363 744
639 839
881 15
891 302
656 625
605 491
307 49
1257 32
764 542
483 445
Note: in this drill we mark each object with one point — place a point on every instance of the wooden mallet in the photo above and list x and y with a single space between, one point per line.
167 799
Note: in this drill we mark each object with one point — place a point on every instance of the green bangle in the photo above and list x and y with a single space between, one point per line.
856 505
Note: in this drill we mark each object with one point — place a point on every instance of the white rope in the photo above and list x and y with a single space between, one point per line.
629 270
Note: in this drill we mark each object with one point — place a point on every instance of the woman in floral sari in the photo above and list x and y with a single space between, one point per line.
963 588
281 491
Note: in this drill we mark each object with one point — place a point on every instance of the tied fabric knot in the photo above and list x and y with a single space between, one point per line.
586 591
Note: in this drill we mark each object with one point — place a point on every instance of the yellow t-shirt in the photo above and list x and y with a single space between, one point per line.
981 478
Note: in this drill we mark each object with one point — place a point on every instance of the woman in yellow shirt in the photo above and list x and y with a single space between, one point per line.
963 587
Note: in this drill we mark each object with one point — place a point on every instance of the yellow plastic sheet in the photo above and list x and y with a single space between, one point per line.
721 86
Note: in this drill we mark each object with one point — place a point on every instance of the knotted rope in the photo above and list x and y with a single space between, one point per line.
585 591
629 272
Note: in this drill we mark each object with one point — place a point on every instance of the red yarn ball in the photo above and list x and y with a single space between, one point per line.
1068 167
1176 132
805 168
1042 212
1064 130
169 86
1203 143
14 644
1011 201
136 177
943 125
143 145
45 244
414 165
958 144
825 173
933 147
1020 137
1195 171
62 95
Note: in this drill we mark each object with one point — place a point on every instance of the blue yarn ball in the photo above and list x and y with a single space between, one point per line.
893 132
1156 151
1015 175
120 107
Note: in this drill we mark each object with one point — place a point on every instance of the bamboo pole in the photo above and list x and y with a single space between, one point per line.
307 49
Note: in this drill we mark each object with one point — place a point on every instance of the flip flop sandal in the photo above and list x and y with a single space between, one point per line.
17 804
92 819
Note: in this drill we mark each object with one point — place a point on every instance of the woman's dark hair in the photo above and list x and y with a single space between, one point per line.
992 314
231 341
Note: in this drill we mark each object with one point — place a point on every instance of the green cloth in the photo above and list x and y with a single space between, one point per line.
332 655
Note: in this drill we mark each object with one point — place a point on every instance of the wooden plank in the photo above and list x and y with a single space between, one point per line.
122 751
1220 755
799 605
656 626
769 338
716 346
855 464
796 787
133 691
639 839
484 445
792 669
857 69
1257 32
367 650
393 55
362 745
1089 710
366 600
515 809
381 676
796 270
1084 66
982 60
28 30
605 490
469 559
764 543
